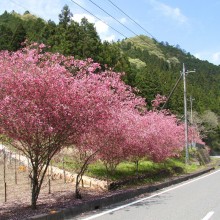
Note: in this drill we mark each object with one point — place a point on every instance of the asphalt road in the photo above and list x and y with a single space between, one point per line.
197 199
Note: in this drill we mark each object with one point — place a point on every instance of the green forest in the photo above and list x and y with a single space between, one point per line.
150 66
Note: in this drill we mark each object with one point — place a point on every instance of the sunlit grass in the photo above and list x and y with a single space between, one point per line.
126 169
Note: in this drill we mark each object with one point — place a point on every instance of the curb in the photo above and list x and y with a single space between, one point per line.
115 198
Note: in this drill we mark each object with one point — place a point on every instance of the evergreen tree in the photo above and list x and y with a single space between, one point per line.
18 37
6 38
89 43
65 16
48 33
34 28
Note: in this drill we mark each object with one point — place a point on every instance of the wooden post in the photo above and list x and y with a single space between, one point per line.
49 187
64 172
15 169
28 169
19 158
10 157
5 192
51 170
4 166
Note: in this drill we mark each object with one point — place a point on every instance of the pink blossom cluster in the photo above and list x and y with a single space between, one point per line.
50 101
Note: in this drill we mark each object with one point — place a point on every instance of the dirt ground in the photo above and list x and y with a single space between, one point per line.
15 198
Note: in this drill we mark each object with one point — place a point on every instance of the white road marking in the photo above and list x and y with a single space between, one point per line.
208 216
149 197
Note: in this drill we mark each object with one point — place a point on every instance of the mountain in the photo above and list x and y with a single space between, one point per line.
156 68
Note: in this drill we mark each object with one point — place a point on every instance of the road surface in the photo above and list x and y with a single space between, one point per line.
197 199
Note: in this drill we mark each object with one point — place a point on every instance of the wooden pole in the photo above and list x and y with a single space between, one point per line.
5 192
4 166
64 172
49 187
15 169
10 157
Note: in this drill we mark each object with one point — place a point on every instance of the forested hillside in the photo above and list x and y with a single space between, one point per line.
156 69
153 67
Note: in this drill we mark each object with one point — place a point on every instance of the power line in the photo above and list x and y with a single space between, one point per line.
131 19
26 9
172 91
101 19
84 10
105 22
98 18
18 4
112 17
118 21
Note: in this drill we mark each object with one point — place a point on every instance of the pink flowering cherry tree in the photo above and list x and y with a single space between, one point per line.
104 139
43 107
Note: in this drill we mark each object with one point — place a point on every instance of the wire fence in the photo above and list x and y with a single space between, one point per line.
15 179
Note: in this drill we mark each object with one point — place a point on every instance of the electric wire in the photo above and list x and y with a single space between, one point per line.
84 10
172 91
119 22
104 22
98 18
147 32
26 9
112 17
18 4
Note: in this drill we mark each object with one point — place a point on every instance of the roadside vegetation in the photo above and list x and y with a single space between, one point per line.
147 171
103 100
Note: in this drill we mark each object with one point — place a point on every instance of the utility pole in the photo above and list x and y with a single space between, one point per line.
185 114
191 120
185 117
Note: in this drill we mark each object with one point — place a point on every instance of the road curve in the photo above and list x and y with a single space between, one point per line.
197 199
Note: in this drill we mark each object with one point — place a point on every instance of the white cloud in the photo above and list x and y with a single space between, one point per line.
78 17
212 57
198 55
109 38
216 58
40 8
101 27
123 20
169 11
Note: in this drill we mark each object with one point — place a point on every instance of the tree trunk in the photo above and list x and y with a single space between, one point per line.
37 177
77 190
35 189
80 175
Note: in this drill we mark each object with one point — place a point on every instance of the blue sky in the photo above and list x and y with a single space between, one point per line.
193 25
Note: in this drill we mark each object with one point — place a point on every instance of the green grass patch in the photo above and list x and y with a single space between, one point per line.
126 174
127 169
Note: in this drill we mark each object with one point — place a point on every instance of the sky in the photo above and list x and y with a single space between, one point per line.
192 24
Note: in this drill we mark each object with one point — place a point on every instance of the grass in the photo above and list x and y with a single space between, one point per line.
125 175
128 169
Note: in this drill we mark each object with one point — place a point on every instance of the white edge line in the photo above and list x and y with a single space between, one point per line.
149 197
208 216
